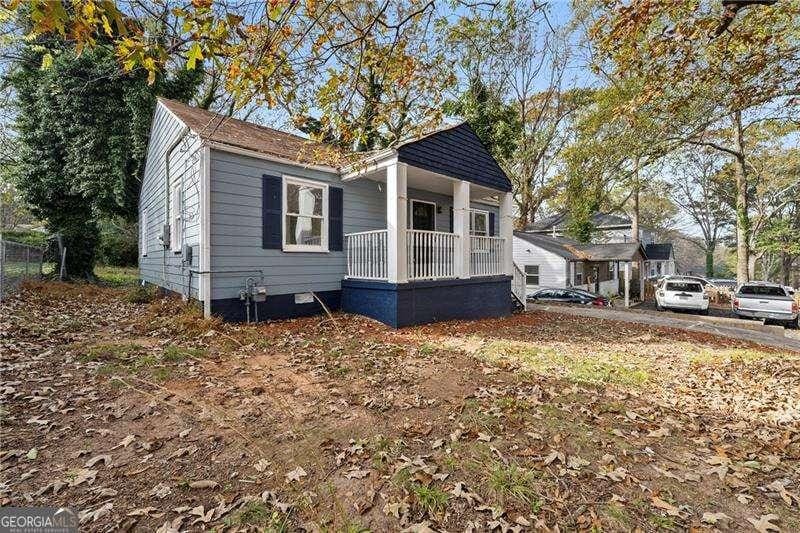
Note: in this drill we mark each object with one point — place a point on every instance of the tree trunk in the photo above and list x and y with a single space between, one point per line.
635 198
710 261
751 266
743 265
786 267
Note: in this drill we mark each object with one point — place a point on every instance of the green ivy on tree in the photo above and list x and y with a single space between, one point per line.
83 127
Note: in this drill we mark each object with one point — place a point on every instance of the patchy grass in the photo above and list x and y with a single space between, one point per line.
432 500
511 483
476 418
139 294
117 276
113 352
258 514
601 368
176 354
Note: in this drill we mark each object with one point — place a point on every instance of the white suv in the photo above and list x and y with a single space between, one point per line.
681 293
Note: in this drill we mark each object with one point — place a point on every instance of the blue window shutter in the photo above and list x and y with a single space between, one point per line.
491 224
335 222
451 219
271 207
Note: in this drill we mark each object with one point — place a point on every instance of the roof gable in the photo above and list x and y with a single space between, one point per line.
456 152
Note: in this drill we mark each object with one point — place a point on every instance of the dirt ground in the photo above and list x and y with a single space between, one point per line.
144 416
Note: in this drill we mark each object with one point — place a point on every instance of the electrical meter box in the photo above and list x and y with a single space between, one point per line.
260 293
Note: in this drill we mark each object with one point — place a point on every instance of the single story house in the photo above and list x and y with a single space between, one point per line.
259 224
608 269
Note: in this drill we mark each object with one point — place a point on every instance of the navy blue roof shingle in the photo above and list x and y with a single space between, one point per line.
456 152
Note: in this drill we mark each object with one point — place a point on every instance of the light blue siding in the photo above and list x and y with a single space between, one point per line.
160 266
236 228
236 231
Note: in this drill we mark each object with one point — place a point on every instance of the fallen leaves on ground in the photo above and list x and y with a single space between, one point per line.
147 416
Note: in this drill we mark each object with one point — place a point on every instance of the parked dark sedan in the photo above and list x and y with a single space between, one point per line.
569 296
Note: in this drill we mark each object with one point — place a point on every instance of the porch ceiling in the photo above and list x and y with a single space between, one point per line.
425 180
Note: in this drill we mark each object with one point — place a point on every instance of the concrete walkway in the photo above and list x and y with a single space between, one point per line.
762 335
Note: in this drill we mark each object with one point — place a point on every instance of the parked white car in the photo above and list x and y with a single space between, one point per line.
676 292
706 283
767 301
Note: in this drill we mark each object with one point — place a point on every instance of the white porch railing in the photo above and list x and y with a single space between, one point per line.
431 254
486 256
366 254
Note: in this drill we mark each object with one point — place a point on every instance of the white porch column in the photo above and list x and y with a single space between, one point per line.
642 274
507 232
396 215
627 283
461 227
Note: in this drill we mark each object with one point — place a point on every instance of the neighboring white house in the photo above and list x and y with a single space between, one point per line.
606 268
616 228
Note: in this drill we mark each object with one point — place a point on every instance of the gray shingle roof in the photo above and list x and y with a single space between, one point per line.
554 245
575 251
599 220
618 251
238 133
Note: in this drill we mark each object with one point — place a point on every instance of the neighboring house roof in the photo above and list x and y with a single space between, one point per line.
618 251
600 220
555 245
238 133
457 152
658 252
575 251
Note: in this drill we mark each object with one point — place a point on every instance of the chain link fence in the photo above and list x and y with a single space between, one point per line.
19 262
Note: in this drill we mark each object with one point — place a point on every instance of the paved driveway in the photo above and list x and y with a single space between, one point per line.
773 336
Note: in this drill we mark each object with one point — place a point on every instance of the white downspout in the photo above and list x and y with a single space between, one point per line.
204 291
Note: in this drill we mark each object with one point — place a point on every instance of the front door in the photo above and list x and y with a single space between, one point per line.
423 215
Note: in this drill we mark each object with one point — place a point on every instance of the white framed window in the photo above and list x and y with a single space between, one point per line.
478 223
305 215
531 274
175 216
144 230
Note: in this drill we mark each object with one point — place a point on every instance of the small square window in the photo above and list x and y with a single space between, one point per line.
531 274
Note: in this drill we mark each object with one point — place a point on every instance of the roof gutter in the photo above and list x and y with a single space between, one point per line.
369 164
267 157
